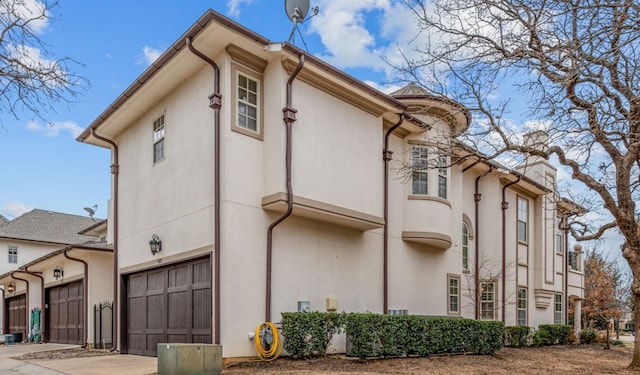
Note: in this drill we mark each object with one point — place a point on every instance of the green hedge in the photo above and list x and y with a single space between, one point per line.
516 336
551 334
309 334
374 335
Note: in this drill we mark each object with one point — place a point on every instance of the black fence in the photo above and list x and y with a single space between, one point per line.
102 326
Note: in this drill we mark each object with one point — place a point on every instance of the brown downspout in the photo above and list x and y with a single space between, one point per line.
85 294
215 102
565 244
289 118
27 301
505 206
41 301
115 171
477 197
387 157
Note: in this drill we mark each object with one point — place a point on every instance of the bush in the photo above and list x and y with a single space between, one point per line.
588 336
516 336
617 342
309 334
553 334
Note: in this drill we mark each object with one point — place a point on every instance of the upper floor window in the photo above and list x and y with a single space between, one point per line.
454 294
559 243
443 171
523 218
419 166
248 102
158 139
487 300
522 306
13 255
465 246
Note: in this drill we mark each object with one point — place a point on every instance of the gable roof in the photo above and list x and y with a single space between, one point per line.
3 220
47 226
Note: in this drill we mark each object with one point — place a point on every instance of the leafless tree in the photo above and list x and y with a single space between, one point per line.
573 68
32 80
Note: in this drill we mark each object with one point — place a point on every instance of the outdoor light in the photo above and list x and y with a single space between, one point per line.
155 245
11 287
58 272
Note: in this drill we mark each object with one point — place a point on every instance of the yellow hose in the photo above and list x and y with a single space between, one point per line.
276 346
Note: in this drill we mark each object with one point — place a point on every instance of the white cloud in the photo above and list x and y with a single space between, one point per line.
52 129
14 209
32 58
343 27
233 6
33 11
150 54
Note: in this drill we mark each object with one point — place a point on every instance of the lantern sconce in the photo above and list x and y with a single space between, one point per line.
155 245
11 287
58 272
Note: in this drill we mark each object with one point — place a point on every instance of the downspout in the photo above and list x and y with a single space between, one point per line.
26 299
215 102
41 302
565 244
85 293
387 157
289 118
477 198
115 171
505 206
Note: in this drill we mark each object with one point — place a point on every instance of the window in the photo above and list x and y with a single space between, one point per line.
248 99
573 260
465 246
487 300
419 164
559 243
443 162
13 255
558 309
522 306
454 294
158 139
523 215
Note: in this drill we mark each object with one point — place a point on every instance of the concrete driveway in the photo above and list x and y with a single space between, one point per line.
120 364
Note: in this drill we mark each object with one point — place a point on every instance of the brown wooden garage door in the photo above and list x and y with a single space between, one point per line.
16 311
168 304
65 314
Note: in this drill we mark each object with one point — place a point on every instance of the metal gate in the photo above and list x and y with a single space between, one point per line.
102 325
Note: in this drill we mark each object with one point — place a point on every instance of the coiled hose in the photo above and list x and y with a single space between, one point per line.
267 341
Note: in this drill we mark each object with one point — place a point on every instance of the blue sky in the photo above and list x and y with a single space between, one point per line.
43 166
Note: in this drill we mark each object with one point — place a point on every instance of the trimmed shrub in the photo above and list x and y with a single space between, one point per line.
309 334
553 334
588 336
516 336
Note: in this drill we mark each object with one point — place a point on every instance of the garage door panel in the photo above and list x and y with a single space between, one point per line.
170 310
65 315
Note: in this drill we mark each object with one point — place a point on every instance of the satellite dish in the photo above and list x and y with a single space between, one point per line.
296 10
91 211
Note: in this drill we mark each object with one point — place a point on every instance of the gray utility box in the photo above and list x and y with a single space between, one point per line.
189 359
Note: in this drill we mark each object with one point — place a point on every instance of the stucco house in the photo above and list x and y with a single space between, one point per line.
269 181
59 261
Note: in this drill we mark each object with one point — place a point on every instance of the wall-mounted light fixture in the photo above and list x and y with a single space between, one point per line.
155 245
11 287
58 272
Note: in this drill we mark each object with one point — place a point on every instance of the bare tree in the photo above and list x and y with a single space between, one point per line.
32 80
576 67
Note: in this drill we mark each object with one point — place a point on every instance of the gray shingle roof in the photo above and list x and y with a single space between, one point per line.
47 226
3 220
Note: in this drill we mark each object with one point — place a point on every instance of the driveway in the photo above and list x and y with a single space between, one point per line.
121 364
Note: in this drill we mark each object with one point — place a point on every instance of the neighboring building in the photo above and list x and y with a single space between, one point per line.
366 232
43 264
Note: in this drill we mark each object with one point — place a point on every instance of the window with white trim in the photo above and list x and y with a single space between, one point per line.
248 109
419 166
443 176
158 139
558 309
487 300
465 246
12 255
522 306
453 294
523 219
